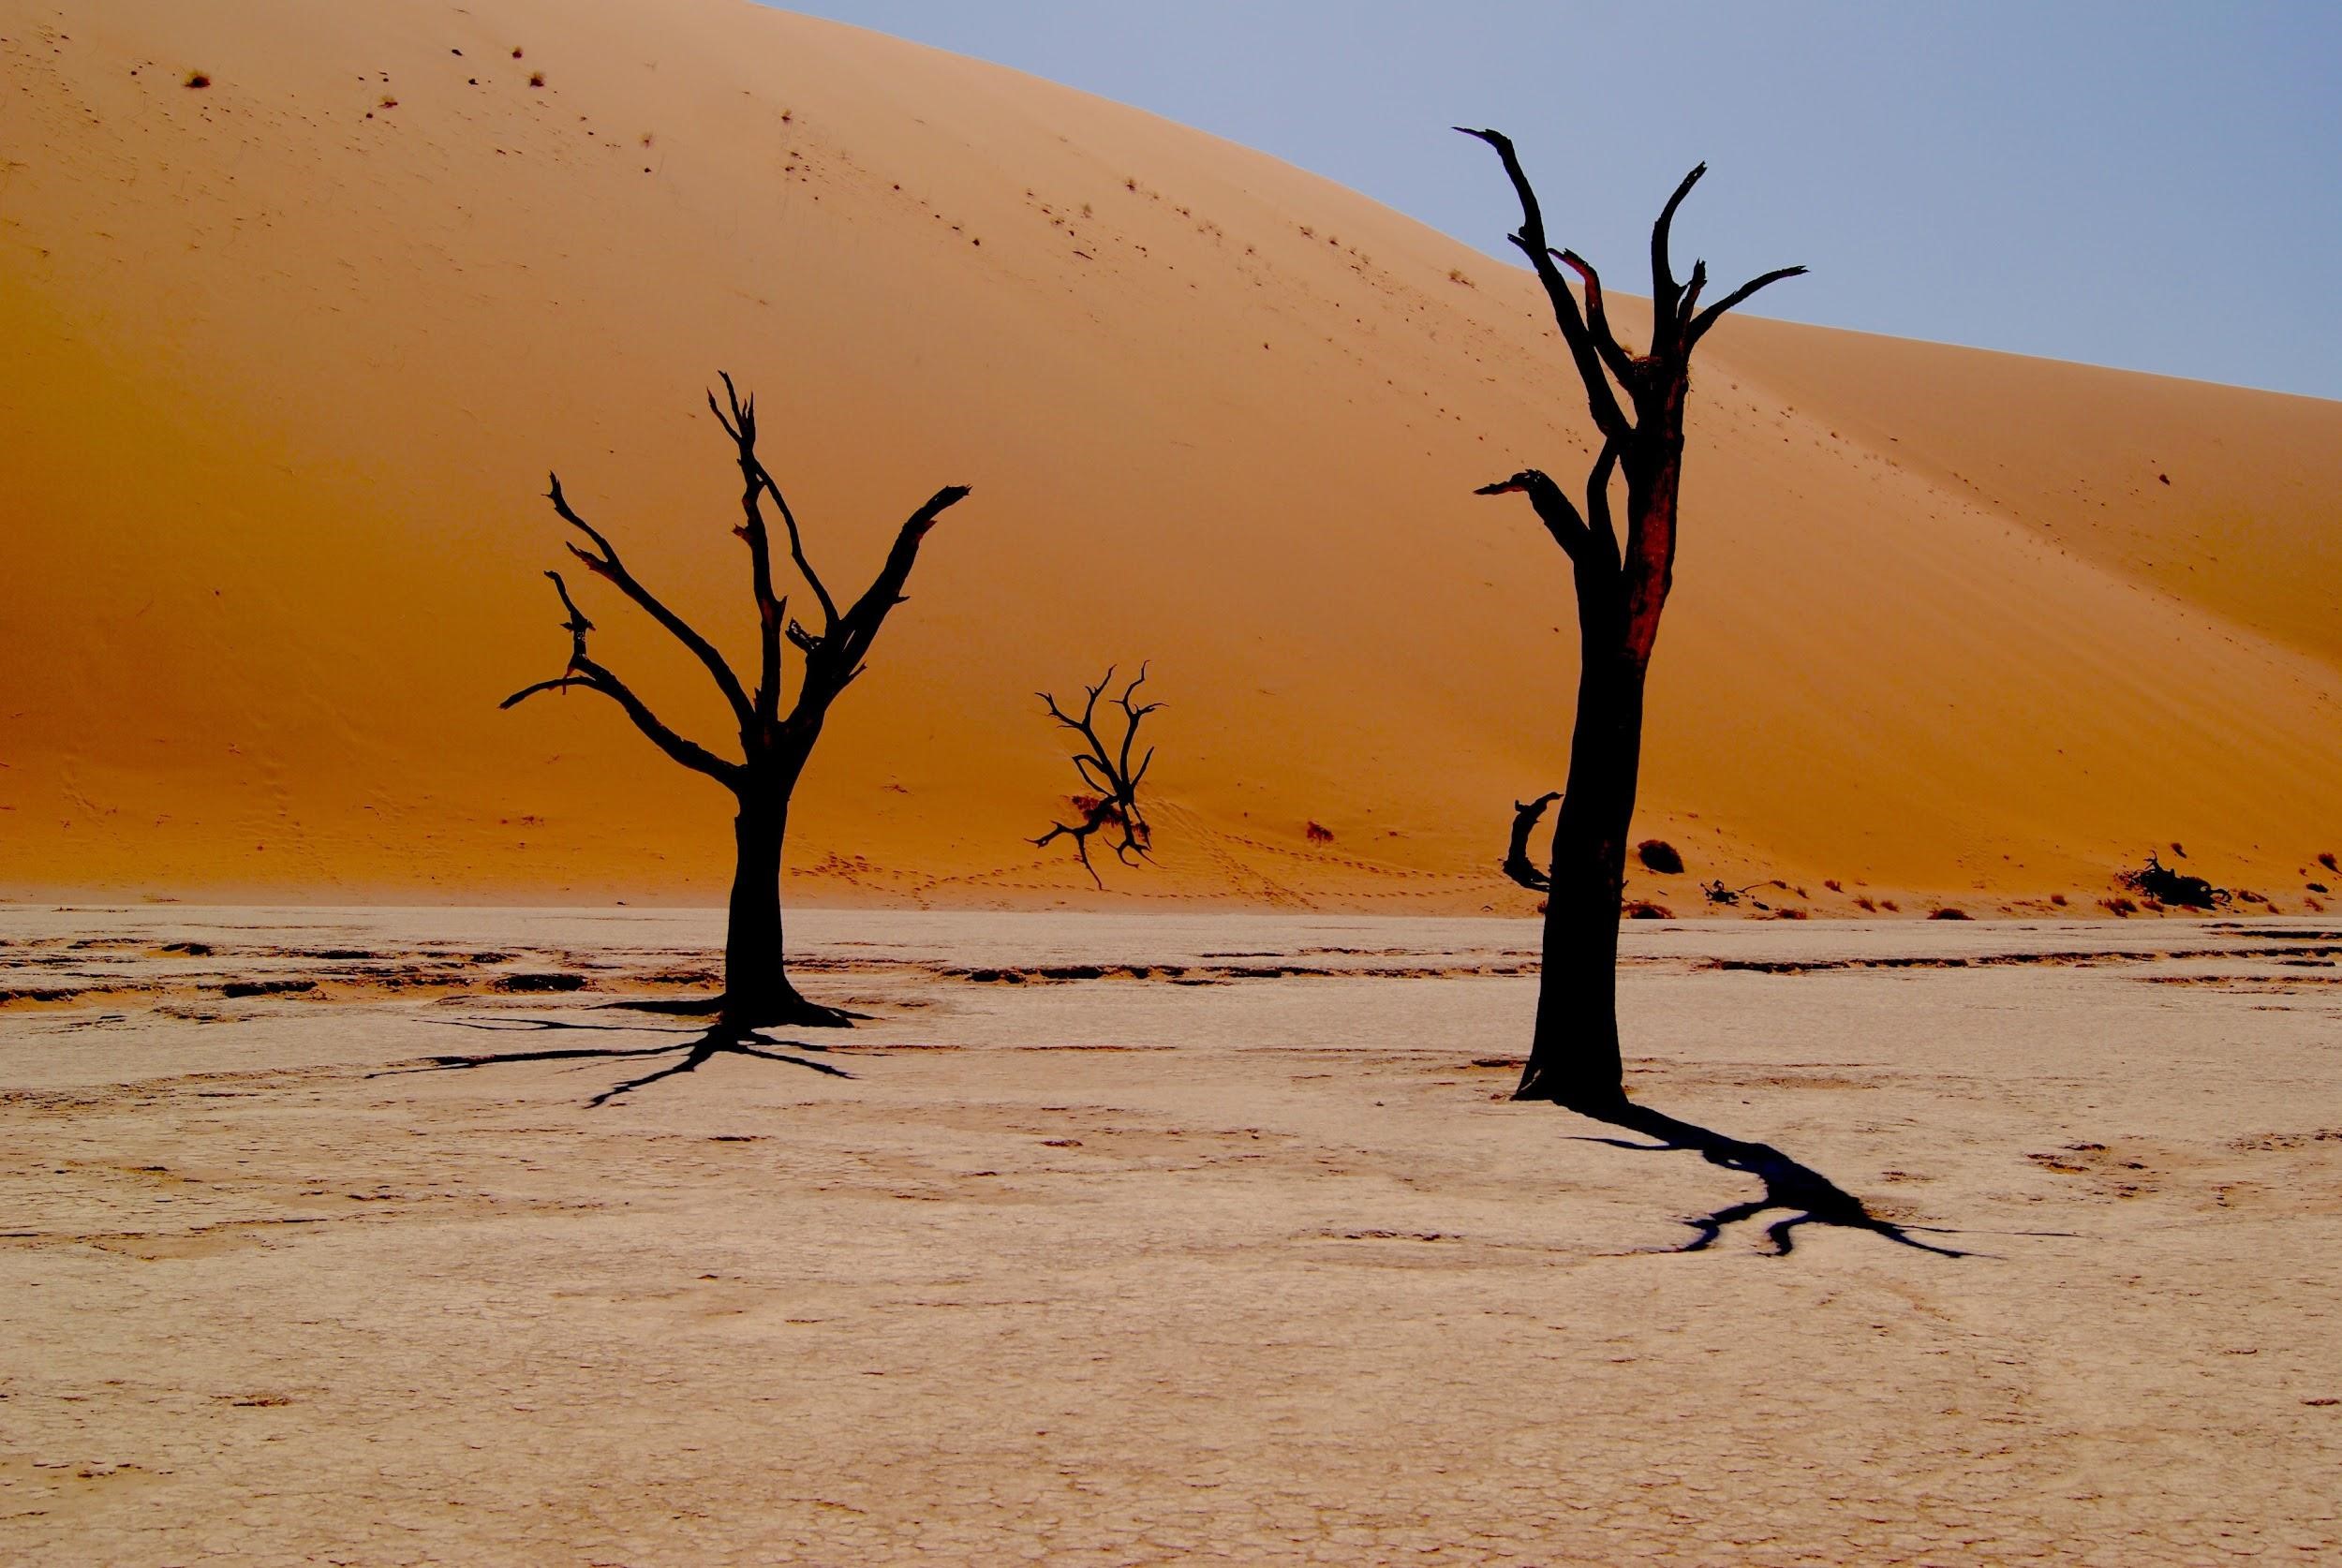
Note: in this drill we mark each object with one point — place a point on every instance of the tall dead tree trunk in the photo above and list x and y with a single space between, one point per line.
1621 590
775 747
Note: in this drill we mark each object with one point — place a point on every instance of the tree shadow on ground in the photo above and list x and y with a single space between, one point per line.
1804 1195
698 1050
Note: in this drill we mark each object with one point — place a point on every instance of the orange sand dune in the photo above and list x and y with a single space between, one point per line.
288 356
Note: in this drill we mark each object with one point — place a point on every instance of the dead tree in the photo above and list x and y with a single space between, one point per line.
774 746
1621 589
1112 782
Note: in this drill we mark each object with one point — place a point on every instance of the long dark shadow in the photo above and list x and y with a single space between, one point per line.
698 1050
1804 1195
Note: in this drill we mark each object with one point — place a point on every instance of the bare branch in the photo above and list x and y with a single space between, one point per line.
741 427
1598 504
1664 298
837 656
1600 399
796 547
1554 508
1707 318
1691 293
1517 865
583 671
607 566
1598 323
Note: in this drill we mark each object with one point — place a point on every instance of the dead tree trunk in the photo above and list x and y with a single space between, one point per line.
1621 590
774 746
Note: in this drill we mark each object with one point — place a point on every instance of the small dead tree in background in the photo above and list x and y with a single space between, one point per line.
1112 800
1574 1056
775 747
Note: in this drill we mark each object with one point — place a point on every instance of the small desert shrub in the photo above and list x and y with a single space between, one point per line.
198 78
2313 906
2249 896
1457 274
1318 834
1792 913
537 79
1831 883
1660 856
516 53
1642 909
2317 887
1863 903
2326 860
1948 911
1891 906
2121 907
2058 899
388 102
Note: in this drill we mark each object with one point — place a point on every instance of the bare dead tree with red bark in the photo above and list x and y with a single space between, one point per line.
1637 401
1111 797
774 745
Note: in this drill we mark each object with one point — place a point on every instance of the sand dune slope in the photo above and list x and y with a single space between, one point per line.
288 356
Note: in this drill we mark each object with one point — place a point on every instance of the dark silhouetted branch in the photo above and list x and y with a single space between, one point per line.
1554 508
584 672
1707 318
754 480
608 567
838 655
1614 354
1517 865
1664 295
1600 399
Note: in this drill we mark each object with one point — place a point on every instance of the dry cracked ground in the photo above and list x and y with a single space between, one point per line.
1165 1240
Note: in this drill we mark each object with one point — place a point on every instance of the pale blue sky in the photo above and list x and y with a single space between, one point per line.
2152 186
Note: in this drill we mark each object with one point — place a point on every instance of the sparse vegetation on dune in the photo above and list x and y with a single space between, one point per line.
1658 855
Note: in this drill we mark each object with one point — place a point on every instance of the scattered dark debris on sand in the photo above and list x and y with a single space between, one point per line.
1722 897
2157 881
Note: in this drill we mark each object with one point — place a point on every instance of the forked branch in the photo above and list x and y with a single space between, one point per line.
1594 349
583 671
755 482
1108 772
1607 416
1706 318
607 566
1588 536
